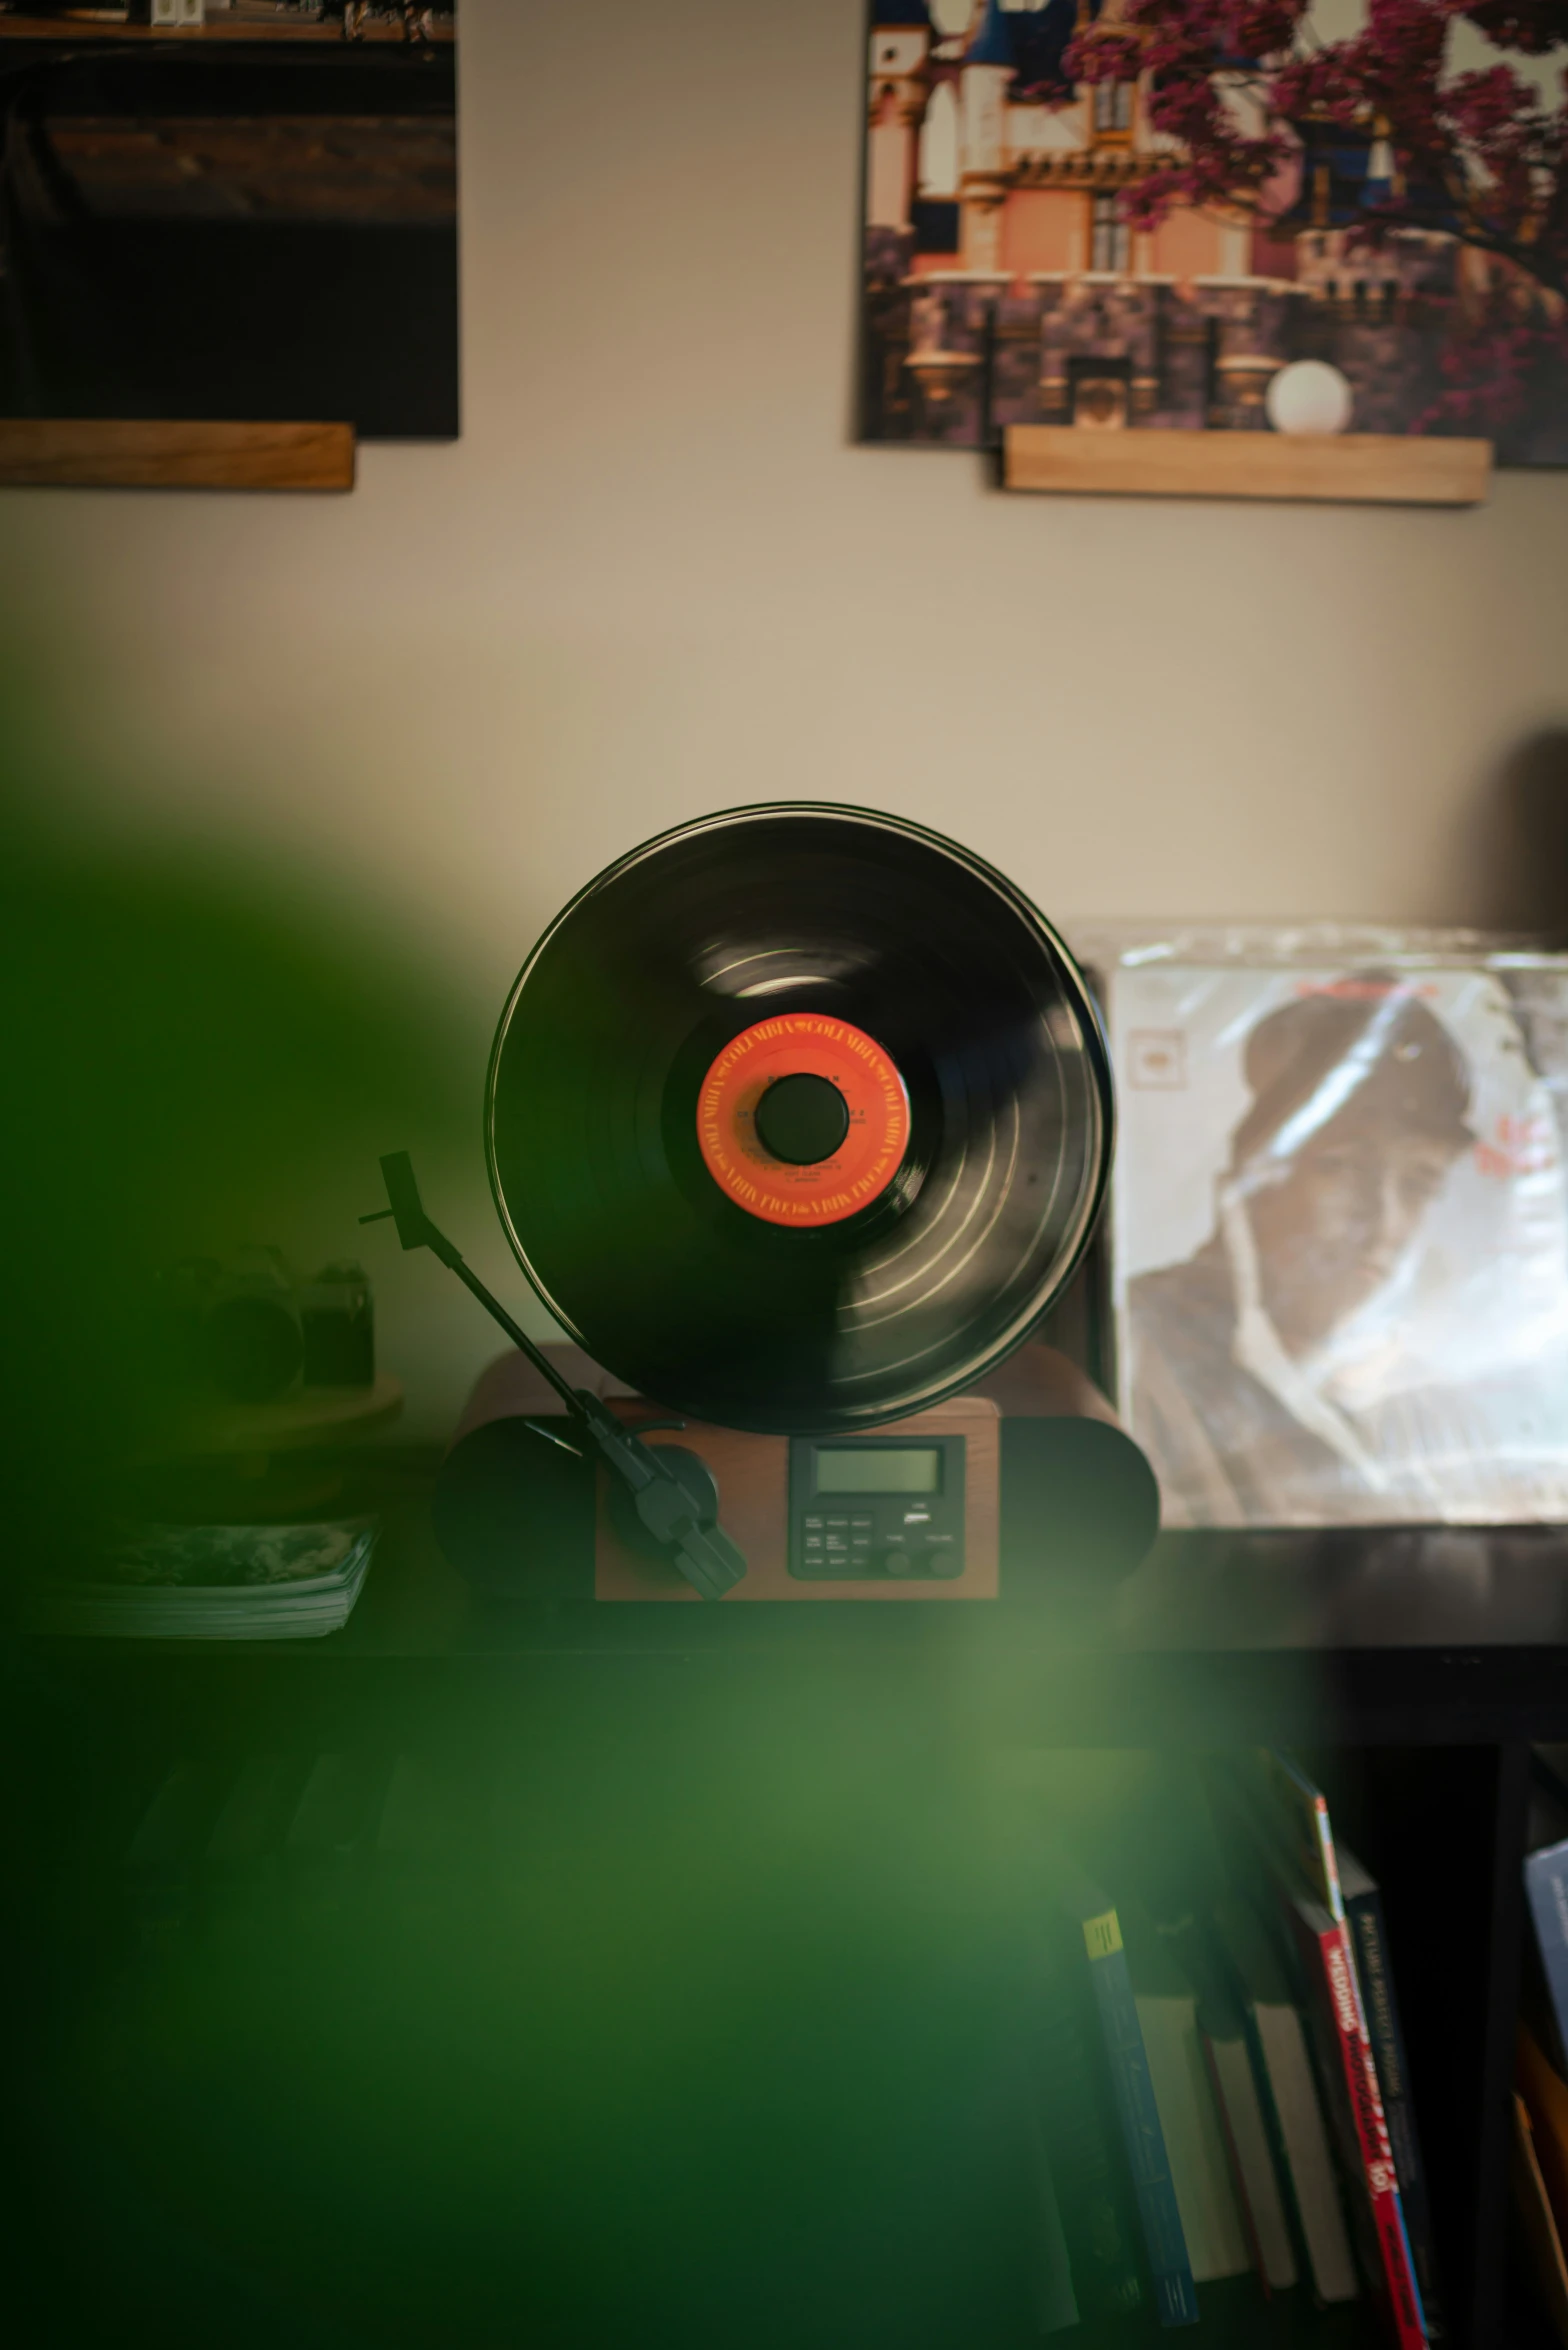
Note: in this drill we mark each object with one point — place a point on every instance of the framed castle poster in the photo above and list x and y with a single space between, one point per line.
1095 213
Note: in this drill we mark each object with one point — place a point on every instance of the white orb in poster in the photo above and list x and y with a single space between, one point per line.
1308 396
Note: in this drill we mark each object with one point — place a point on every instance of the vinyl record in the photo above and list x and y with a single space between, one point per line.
798 1118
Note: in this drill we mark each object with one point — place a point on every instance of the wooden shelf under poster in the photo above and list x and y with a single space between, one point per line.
1360 468
133 453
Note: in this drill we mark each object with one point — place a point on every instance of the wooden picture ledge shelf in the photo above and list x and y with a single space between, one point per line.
1382 469
120 453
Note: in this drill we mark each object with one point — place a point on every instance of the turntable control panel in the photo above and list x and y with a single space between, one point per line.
865 1507
906 1513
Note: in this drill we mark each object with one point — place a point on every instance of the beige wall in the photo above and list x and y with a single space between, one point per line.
656 577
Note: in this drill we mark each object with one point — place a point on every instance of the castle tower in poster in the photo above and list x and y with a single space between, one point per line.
901 33
1039 164
1003 283
984 77
1004 286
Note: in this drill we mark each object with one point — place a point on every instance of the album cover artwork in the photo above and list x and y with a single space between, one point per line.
234 210
1341 1239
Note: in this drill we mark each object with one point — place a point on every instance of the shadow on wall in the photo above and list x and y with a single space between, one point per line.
1518 848
196 1046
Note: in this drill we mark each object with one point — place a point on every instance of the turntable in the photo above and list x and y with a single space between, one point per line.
798 1119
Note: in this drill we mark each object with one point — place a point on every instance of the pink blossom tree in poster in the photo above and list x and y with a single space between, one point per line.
1249 104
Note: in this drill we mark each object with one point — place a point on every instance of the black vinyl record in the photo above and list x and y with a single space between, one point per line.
798 1118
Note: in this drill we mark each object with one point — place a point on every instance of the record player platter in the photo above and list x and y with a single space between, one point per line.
798 1118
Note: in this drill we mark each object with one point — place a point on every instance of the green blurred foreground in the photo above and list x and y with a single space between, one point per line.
692 2027
663 2011
196 1051
694 2017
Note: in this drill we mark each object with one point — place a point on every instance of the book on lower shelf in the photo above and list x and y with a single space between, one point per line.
1091 2195
241 1864
1210 2114
1368 1928
1052 2294
1167 2004
1288 2098
1278 1815
1538 2171
299 1837
1538 2220
1249 2142
1355 2110
1546 1897
1140 2112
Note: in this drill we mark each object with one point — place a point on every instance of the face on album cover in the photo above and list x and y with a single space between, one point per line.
1341 1240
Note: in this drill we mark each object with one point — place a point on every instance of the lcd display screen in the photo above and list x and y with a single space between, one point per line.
880 1470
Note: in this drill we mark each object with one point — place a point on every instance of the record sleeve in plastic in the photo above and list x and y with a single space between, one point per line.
1340 1227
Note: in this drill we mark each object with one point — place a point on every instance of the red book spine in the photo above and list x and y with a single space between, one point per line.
1326 1945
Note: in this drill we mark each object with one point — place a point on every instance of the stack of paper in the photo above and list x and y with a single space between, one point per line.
214 1583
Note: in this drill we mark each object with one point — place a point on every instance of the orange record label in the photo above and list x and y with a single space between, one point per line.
864 1164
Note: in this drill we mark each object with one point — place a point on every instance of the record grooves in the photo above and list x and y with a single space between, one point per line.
876 1233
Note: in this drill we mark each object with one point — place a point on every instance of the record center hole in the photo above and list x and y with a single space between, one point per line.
802 1119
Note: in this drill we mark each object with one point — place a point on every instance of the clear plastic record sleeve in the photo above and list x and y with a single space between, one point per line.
1340 1225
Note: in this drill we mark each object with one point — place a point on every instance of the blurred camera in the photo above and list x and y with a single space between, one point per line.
243 1329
